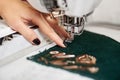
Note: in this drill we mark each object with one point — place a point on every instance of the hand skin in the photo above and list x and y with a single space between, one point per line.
18 14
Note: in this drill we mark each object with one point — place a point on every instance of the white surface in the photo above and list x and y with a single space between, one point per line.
4 29
108 11
109 30
23 69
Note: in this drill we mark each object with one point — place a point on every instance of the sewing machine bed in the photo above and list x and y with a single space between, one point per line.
105 49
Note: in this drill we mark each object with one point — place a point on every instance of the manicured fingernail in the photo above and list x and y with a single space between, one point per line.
36 41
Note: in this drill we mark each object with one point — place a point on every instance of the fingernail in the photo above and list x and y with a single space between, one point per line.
65 43
36 41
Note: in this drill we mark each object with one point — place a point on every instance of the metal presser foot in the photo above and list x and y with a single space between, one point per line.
73 25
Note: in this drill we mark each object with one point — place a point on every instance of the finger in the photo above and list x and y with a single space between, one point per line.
61 31
28 33
47 30
53 22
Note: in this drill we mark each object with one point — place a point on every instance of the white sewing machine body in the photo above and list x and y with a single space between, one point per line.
72 14
75 8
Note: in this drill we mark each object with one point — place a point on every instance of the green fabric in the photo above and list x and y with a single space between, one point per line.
105 49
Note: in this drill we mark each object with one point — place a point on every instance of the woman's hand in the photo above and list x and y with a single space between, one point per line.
18 14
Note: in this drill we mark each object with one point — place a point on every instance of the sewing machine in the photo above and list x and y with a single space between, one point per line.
73 19
70 14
